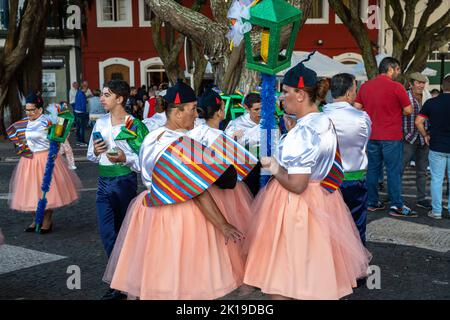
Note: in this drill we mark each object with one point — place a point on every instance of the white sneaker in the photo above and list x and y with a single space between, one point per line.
434 215
72 167
412 163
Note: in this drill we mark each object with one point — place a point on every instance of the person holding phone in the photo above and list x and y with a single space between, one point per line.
118 163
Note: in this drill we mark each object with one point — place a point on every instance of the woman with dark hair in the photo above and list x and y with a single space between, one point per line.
304 244
174 242
30 137
234 202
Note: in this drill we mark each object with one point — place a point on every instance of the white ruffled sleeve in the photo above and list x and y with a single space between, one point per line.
300 150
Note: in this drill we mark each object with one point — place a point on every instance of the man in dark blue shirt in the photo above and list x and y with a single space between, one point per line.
81 116
437 111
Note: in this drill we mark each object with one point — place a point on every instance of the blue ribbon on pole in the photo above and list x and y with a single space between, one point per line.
46 181
268 122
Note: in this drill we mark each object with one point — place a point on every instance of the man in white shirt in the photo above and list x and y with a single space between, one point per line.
353 128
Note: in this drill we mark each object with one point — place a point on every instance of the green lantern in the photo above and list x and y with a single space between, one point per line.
269 18
59 131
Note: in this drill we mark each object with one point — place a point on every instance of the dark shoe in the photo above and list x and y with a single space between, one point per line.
380 186
376 207
425 204
403 212
113 294
29 229
45 231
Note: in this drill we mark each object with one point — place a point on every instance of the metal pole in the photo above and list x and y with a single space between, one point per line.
442 56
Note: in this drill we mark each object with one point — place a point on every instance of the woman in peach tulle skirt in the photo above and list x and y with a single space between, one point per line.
183 250
304 243
235 201
26 181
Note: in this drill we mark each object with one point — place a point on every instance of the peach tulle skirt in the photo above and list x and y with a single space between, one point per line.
172 252
235 205
304 246
26 181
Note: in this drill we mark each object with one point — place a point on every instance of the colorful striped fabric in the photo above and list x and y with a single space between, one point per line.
335 177
184 170
16 134
233 153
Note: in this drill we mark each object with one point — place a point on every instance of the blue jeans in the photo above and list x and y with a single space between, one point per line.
391 154
438 161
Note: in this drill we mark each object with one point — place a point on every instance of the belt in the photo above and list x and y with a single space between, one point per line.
116 170
355 175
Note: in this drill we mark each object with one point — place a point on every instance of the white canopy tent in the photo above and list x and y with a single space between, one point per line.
360 72
322 64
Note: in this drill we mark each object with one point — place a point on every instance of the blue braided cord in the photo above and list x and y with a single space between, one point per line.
268 121
46 181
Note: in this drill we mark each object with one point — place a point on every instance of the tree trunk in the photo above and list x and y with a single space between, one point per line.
227 64
20 59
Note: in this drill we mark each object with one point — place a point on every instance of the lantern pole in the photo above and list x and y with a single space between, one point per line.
59 130
268 123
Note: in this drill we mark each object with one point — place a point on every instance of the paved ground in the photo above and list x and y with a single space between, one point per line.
413 255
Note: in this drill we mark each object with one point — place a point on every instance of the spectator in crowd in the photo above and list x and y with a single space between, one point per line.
81 116
414 146
434 93
95 108
86 90
386 101
73 93
149 106
437 112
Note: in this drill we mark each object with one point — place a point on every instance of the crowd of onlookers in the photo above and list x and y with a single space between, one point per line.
411 124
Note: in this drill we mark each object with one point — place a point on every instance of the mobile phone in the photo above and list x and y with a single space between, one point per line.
97 136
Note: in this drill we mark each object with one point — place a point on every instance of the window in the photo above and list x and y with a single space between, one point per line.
319 12
145 14
363 7
4 13
114 13
435 56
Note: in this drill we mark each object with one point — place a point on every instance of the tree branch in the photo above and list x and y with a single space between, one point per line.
393 25
359 32
432 5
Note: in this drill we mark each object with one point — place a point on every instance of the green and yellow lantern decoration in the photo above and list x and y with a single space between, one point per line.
269 19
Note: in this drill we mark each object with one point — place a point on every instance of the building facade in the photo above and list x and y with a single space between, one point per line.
62 56
119 44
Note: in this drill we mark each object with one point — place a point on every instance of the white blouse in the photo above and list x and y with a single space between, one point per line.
109 132
205 134
251 130
353 128
309 148
156 121
36 134
152 147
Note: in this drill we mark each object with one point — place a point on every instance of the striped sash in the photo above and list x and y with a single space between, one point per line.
231 152
16 134
335 177
183 171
